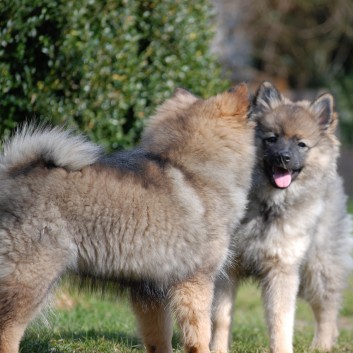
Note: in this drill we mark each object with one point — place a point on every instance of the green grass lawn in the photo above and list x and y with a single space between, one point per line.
85 323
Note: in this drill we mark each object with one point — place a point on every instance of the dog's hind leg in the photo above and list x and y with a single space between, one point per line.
326 331
22 295
324 294
29 268
19 302
222 315
322 287
10 336
155 324
192 302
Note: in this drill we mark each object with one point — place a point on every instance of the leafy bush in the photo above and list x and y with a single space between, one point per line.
101 65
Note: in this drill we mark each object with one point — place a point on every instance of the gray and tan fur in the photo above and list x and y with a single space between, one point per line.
295 238
149 215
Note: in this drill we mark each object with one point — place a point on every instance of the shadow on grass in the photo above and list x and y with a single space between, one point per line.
46 341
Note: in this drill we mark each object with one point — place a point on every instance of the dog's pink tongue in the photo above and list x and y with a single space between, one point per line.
282 178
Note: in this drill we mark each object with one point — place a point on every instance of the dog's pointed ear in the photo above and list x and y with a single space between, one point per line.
322 108
266 97
180 100
183 96
182 92
235 101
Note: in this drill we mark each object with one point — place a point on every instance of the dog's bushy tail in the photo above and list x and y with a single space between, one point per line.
52 146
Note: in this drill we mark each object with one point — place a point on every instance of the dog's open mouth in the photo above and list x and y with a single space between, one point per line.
282 178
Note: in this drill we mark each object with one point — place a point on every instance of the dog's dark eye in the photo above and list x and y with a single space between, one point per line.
271 139
301 144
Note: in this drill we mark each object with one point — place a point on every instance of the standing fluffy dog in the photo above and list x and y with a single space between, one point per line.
147 217
296 234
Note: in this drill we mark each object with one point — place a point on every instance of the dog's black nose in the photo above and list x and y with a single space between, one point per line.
282 158
285 157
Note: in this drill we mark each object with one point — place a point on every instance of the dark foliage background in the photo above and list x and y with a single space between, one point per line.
101 65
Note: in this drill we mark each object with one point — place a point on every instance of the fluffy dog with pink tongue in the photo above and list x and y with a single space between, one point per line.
296 235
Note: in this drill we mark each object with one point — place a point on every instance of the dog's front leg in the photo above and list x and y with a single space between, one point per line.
192 301
279 291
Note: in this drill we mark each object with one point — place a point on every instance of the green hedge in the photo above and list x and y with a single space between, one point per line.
101 66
